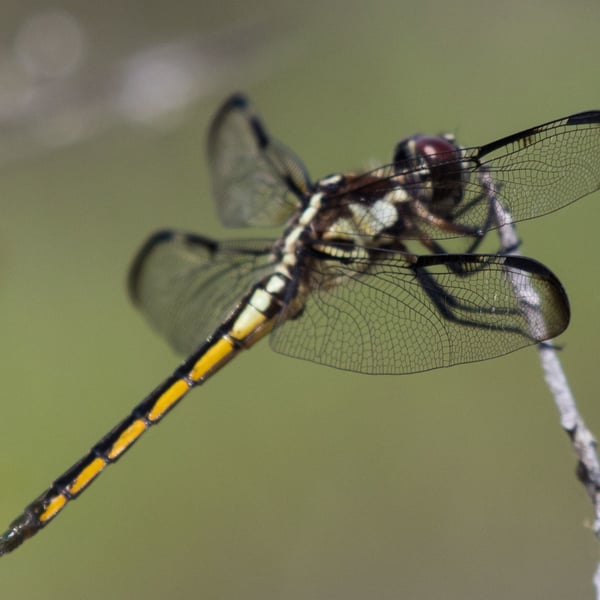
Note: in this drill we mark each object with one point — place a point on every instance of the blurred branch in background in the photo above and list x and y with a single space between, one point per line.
49 95
582 439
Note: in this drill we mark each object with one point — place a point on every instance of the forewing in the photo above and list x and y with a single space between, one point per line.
186 285
539 170
409 313
532 173
256 180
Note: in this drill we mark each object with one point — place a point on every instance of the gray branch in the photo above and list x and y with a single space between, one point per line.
582 439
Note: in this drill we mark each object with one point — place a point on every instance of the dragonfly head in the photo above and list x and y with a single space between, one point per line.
433 164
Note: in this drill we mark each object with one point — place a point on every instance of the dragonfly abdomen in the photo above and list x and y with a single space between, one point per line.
251 321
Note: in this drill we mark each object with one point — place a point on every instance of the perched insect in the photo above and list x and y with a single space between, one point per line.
340 286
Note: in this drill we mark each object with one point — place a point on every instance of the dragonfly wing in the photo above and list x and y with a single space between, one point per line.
408 313
532 173
256 180
186 285
539 170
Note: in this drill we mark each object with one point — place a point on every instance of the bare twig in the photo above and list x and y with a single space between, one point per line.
582 439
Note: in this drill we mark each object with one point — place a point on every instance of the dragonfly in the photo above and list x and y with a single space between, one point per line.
342 285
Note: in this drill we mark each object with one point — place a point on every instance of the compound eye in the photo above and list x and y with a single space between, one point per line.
411 151
436 161
435 149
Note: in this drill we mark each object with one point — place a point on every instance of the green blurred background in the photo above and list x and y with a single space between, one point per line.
280 478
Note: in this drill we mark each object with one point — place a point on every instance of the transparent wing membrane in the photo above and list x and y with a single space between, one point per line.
398 313
534 172
256 181
186 285
543 168
406 314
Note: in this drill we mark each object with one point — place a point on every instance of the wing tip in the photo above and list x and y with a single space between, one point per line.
236 101
137 265
159 237
555 316
584 118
